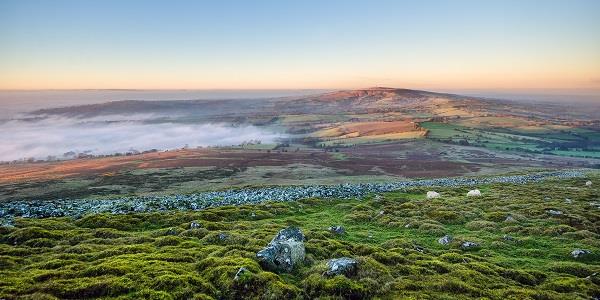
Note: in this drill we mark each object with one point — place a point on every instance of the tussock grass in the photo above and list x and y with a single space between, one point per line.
393 236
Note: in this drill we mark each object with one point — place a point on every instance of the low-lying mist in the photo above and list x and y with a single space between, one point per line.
60 137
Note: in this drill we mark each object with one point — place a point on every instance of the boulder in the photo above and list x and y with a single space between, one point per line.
341 266
445 240
432 195
284 252
579 253
588 183
336 229
510 219
474 193
468 245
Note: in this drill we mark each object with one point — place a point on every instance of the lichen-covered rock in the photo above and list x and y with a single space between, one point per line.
339 230
341 266
579 253
474 193
432 195
284 252
445 240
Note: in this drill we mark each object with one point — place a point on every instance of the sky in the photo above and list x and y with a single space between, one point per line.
460 44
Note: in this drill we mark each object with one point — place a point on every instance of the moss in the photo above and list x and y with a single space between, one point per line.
22 235
566 284
134 257
575 269
40 243
168 241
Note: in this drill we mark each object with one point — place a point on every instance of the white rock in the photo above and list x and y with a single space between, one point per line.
474 193
432 194
588 183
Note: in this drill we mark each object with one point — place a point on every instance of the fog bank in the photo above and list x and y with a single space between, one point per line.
54 136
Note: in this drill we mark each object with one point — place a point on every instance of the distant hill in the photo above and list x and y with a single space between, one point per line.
368 100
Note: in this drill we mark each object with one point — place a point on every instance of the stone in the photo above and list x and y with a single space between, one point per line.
554 212
432 195
285 251
508 238
510 219
445 240
588 183
171 231
474 193
579 253
341 266
240 273
194 225
223 236
468 245
568 201
339 230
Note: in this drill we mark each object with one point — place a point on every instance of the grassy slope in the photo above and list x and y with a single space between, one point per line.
156 256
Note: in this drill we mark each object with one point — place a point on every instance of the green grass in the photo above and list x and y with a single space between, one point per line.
157 256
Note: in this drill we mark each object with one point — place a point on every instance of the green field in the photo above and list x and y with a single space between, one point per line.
543 141
393 236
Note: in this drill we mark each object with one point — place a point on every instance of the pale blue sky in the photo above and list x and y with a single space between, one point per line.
299 44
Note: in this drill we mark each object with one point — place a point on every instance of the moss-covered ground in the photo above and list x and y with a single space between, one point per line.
393 236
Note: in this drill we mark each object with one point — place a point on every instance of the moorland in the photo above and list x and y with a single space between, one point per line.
517 240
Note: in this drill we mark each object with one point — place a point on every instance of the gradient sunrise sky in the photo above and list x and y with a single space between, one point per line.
299 44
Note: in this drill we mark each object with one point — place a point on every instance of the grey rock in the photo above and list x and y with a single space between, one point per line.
171 231
579 253
468 245
445 240
419 248
77 208
341 266
222 236
553 212
336 229
194 225
510 219
284 252
508 238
